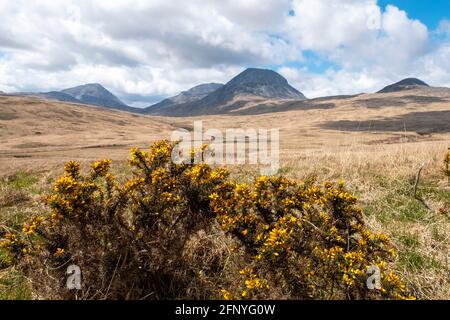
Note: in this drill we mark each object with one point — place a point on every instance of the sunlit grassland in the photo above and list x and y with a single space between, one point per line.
382 176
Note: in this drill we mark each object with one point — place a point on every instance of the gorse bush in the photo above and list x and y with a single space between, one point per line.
188 231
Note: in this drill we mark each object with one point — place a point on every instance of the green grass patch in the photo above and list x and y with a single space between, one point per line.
396 201
409 240
21 180
397 207
14 217
409 209
13 286
415 261
412 260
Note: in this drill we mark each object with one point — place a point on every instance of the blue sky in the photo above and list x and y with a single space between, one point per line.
428 12
144 51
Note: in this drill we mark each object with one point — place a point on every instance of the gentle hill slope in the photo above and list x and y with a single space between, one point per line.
91 94
32 127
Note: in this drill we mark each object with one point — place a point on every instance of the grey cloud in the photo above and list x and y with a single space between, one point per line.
195 52
98 54
60 61
7 41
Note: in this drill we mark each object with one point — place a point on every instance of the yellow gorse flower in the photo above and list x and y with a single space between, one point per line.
447 164
72 169
59 252
226 294
31 227
101 168
65 184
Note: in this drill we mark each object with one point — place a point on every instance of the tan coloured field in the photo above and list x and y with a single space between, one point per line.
35 133
375 142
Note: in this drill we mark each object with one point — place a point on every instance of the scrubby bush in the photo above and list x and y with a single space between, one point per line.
188 231
447 165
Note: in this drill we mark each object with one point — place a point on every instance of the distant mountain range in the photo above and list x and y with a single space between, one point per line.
58 95
90 94
95 94
251 83
250 86
194 94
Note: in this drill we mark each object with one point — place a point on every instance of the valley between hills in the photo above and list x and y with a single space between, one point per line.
37 132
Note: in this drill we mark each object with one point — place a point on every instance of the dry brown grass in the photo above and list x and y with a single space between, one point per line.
383 177
379 163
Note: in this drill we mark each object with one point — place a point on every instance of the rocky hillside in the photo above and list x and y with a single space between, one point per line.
405 84
246 86
194 94
95 94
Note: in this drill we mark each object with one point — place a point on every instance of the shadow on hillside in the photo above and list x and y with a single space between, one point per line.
287 106
419 122
8 116
397 102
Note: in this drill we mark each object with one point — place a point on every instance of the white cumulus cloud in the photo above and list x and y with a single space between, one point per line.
146 50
